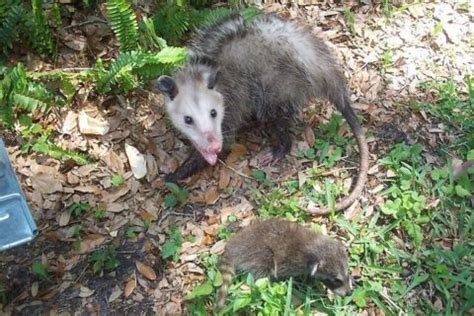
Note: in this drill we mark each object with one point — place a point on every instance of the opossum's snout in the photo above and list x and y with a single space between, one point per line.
211 149
344 290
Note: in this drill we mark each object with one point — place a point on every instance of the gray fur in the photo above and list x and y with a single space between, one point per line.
267 70
279 249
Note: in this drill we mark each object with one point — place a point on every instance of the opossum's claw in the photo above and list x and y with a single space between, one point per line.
265 159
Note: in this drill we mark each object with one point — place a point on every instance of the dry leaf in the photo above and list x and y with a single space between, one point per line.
237 151
46 183
211 196
92 126
70 123
146 271
64 218
218 247
85 292
130 287
136 160
309 136
34 289
224 178
91 242
115 294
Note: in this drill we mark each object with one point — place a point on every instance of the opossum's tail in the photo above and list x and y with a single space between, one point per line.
226 268
343 104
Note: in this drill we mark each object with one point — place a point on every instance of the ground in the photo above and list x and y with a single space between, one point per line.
109 243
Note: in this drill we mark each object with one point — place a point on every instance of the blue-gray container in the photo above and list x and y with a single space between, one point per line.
16 223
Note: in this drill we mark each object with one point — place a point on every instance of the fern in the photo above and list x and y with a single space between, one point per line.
18 94
124 24
42 40
9 26
172 21
130 69
149 40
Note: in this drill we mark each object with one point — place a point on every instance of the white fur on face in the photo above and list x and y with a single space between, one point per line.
196 100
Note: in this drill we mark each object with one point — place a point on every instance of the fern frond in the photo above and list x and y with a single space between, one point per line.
172 22
43 40
62 154
163 63
149 40
130 69
9 30
124 24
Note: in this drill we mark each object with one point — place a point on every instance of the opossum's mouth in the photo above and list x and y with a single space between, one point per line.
209 156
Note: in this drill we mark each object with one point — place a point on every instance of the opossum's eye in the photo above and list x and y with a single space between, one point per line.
188 120
213 113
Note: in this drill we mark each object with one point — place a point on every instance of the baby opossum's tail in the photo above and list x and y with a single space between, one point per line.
226 268
343 104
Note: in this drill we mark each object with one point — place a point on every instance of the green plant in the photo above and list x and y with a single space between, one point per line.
76 232
11 19
42 39
104 259
123 22
172 245
77 209
131 233
386 60
99 213
178 197
172 21
131 69
350 20
117 180
40 270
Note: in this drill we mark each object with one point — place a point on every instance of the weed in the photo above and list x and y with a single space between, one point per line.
349 16
386 60
177 197
99 213
131 234
40 270
172 245
77 209
117 180
104 259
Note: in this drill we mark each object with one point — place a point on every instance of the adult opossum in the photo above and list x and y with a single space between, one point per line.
266 70
279 249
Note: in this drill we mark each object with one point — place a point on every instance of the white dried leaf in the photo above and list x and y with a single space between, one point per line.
92 126
136 160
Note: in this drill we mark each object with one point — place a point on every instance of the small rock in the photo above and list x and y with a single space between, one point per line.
92 126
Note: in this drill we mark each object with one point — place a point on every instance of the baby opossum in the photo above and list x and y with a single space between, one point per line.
266 70
279 249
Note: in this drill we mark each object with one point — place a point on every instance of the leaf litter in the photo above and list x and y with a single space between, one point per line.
135 216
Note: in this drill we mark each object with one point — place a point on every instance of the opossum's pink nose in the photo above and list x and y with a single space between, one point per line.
213 144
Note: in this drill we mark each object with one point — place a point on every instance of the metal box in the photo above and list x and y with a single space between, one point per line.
16 223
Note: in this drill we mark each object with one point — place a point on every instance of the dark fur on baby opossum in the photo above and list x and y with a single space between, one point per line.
265 70
279 249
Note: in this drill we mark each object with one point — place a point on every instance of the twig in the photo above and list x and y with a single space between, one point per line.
236 171
336 170
85 23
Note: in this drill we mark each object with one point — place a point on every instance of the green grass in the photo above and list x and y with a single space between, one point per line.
414 253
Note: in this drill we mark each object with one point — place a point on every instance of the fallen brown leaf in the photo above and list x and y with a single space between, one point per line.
130 287
145 270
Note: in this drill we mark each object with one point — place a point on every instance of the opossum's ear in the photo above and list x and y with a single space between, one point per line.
168 86
211 78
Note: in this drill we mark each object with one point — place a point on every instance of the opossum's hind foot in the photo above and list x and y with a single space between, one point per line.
282 133
272 156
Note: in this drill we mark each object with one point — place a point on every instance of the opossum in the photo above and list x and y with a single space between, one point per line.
266 70
279 249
